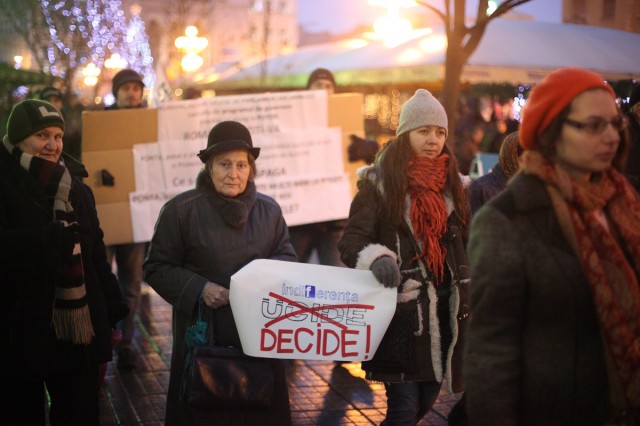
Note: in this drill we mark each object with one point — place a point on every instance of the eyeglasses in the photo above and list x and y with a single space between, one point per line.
597 125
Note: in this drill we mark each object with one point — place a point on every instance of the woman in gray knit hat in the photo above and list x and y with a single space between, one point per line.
406 225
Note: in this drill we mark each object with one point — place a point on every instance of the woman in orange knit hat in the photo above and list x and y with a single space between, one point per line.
554 336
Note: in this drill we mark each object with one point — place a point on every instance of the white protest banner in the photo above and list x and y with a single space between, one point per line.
264 113
305 311
308 199
180 163
300 152
147 167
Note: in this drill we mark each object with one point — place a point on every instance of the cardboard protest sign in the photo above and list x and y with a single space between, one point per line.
305 311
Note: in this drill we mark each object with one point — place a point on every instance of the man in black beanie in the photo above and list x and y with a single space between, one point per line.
128 89
322 237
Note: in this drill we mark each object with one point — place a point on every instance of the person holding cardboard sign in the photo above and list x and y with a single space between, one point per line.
322 237
128 89
202 237
406 225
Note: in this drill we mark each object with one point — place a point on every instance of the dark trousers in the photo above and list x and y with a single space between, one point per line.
129 259
74 397
321 236
408 402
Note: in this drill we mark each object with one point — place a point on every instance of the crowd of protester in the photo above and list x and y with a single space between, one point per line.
519 289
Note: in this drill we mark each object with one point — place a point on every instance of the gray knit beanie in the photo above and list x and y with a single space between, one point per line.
29 116
422 109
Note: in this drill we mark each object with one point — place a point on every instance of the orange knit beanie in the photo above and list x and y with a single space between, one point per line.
551 96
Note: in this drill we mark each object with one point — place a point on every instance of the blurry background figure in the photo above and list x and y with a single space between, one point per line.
322 79
633 160
128 89
53 96
362 149
488 186
467 146
496 136
191 93
555 266
320 236
72 113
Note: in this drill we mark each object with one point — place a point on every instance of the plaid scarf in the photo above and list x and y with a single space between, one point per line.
71 320
609 251
426 178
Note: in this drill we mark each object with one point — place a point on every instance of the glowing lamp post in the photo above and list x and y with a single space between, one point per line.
115 62
392 29
90 75
191 45
17 61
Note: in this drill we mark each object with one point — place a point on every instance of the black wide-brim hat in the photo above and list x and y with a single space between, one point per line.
228 136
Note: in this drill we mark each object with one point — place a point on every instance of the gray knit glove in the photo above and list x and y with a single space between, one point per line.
386 270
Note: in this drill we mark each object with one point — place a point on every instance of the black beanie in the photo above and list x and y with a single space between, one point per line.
49 92
320 74
29 116
124 76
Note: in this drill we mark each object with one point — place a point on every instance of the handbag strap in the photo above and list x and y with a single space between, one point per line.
197 334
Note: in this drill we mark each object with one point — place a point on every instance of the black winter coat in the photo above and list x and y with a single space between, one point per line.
425 336
194 243
534 353
30 254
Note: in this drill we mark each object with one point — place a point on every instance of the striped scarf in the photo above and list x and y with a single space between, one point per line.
609 252
71 320
426 178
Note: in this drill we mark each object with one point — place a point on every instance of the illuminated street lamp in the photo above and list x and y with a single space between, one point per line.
191 45
17 61
392 29
90 74
115 62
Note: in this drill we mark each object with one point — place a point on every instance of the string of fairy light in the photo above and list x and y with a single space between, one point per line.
85 32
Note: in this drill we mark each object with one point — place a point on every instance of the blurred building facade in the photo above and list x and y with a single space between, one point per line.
236 30
617 14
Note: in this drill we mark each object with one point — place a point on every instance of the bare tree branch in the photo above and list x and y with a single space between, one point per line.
462 41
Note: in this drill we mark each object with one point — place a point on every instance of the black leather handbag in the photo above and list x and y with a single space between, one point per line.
223 378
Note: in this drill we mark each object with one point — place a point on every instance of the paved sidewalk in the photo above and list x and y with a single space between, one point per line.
321 392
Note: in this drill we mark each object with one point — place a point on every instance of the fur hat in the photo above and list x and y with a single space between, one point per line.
49 92
125 76
320 74
228 136
29 116
422 109
549 97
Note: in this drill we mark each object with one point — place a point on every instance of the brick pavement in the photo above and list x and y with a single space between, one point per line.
321 392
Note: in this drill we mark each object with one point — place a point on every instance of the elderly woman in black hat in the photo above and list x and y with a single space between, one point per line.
60 300
202 237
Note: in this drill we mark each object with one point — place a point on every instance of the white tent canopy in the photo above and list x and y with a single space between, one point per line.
511 51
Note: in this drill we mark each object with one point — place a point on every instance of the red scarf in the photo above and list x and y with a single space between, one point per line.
612 275
426 178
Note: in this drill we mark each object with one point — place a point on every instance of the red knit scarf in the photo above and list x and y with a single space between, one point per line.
612 266
426 178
